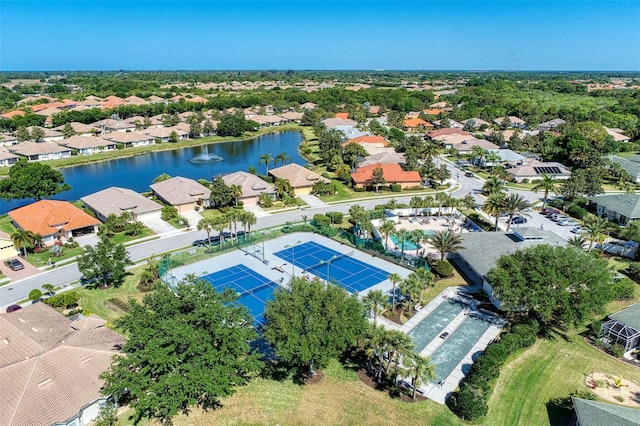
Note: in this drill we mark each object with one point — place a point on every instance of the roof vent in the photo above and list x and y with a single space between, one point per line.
34 329
86 360
44 383
5 341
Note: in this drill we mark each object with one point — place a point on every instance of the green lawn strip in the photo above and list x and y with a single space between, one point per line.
6 225
42 258
550 369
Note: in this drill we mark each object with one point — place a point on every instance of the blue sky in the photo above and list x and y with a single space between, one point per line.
395 35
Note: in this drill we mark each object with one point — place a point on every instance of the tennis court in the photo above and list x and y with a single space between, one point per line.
254 289
330 265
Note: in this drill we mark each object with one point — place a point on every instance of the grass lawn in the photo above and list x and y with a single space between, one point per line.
6 225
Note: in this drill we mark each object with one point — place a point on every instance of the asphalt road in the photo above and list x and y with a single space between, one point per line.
63 275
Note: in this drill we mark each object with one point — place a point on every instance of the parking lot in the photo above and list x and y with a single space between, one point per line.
536 220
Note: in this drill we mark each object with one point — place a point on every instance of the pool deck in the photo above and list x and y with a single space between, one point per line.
440 392
277 269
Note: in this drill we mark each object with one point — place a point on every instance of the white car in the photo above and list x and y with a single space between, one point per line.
578 230
567 222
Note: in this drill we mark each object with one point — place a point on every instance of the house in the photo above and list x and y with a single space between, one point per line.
183 193
85 145
342 115
453 124
623 328
7 139
533 169
437 135
476 124
164 133
116 201
35 151
466 146
594 413
503 155
50 135
415 125
266 120
617 135
516 122
79 128
483 249
130 139
7 248
7 158
300 178
363 140
9 115
393 175
551 124
630 164
54 220
331 123
374 109
252 186
388 156
50 366
308 105
110 125
291 117
619 208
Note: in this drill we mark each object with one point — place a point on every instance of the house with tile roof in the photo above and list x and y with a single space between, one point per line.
8 139
183 193
386 156
79 128
53 364
621 208
88 144
533 169
300 178
415 125
252 186
617 135
466 145
117 200
110 125
595 413
368 140
130 139
50 135
164 133
475 123
331 123
7 159
393 175
39 151
516 122
54 220
551 124
439 133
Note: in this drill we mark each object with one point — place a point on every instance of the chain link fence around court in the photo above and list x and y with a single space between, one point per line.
251 243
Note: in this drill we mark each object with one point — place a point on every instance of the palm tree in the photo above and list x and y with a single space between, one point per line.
493 185
441 198
395 280
477 154
207 226
514 203
283 187
282 158
577 242
219 223
421 369
411 287
400 343
247 219
546 184
415 203
468 202
416 236
266 158
493 157
402 236
134 228
445 242
236 191
425 278
494 206
378 343
386 229
232 218
22 239
376 302
596 228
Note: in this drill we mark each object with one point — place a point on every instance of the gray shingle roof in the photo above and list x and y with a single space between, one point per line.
630 164
624 204
593 413
629 316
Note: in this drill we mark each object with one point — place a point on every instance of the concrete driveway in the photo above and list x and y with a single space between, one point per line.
158 225
28 271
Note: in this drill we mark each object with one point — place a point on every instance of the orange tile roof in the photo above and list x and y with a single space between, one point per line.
342 115
374 109
12 114
447 131
416 122
393 173
433 111
367 139
45 217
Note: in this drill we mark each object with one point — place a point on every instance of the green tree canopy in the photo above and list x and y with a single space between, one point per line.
104 263
312 323
186 347
221 193
557 286
32 180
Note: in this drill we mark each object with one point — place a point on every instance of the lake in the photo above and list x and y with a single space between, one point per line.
138 172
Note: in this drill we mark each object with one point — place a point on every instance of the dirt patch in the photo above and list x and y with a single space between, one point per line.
312 379
118 304
401 393
366 379
614 389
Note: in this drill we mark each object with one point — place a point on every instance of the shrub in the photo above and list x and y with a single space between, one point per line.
327 231
577 211
633 271
63 300
35 294
321 220
395 187
525 180
623 289
359 189
470 403
594 328
618 398
442 268
265 200
616 350
336 217
169 212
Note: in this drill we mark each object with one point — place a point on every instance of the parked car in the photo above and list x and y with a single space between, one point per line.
558 217
469 174
13 308
578 230
518 220
549 211
567 222
14 264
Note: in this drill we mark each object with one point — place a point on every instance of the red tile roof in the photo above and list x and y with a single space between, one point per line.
416 122
45 217
367 139
12 114
433 111
342 115
447 131
393 173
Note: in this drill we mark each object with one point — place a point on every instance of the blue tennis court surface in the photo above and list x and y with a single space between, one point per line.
254 289
331 265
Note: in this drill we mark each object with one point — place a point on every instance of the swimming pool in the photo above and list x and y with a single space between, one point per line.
431 325
459 343
409 245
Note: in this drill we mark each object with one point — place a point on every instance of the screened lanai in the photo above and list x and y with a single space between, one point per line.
623 328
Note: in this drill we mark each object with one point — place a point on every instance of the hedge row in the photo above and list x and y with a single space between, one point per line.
470 402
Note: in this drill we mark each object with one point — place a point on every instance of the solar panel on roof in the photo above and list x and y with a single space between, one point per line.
547 170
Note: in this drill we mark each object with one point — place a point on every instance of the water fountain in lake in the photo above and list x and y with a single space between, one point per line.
206 158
